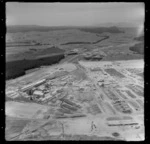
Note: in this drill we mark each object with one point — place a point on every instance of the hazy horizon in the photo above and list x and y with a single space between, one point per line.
74 14
100 25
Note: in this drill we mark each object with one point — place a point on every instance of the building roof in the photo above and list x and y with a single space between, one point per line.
40 93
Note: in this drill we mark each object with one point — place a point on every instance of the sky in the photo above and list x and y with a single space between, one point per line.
74 14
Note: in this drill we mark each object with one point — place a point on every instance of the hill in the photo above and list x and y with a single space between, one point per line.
141 38
21 28
139 48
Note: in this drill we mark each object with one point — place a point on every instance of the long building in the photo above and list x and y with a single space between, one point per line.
29 86
70 103
69 107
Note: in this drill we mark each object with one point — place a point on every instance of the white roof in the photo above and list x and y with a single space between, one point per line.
32 84
38 92
121 122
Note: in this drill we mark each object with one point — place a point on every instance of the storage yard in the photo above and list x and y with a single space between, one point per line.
92 98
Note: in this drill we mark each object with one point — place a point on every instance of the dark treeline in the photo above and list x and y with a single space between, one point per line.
102 29
69 43
17 68
100 40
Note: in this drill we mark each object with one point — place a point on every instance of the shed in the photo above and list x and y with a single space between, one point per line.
38 93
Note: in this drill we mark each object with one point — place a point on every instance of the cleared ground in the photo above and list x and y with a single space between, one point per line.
100 120
88 100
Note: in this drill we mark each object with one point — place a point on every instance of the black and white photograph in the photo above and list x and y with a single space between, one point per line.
74 71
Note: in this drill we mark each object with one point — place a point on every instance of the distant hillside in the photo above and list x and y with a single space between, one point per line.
15 29
102 29
141 38
139 48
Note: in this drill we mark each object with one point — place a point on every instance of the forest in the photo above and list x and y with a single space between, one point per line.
17 68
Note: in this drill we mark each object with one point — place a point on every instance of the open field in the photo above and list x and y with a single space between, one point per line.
32 53
14 126
33 49
21 110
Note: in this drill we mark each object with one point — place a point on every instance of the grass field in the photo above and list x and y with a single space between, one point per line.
14 126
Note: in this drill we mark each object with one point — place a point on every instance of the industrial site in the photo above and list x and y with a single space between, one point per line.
103 99
74 72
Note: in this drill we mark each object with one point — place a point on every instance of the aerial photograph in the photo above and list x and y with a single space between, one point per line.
74 71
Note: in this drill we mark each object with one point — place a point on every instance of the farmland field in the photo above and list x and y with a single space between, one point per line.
28 48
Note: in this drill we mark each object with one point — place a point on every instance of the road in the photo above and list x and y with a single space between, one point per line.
71 59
